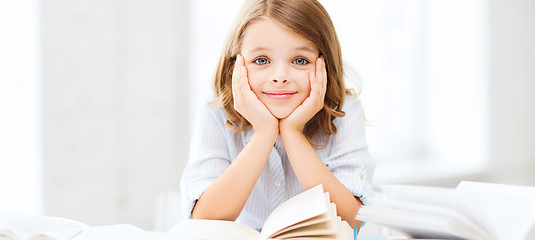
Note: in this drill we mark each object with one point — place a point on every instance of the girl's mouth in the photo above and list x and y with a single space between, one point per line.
280 95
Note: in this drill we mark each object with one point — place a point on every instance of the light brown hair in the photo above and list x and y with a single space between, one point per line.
306 18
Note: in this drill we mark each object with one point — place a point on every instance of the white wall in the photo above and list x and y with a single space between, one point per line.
115 103
512 86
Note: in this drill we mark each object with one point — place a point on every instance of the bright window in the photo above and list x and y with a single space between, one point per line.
20 127
424 75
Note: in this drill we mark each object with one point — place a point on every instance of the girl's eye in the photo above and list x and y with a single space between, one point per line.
300 61
261 61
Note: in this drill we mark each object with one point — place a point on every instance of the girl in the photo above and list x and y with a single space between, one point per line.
282 123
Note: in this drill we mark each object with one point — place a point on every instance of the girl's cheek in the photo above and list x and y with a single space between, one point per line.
259 76
304 76
255 81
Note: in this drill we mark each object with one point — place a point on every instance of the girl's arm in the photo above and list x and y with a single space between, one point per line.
311 171
307 165
225 198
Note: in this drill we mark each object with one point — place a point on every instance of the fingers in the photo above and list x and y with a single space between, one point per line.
321 74
237 79
241 90
318 79
244 81
324 74
234 78
313 83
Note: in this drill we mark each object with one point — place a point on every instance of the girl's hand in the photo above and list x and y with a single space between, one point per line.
247 103
296 121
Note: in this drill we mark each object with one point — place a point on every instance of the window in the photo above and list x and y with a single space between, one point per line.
20 148
424 83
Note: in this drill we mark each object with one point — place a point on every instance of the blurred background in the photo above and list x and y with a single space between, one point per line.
98 98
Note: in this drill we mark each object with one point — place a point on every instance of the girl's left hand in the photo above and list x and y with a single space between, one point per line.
313 103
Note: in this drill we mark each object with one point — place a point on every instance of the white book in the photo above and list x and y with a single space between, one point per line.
473 210
309 215
36 227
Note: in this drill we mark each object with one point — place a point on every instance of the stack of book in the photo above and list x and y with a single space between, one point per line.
473 210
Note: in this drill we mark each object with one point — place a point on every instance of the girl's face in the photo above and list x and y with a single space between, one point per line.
278 63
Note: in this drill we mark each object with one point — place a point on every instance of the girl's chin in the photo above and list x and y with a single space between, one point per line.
281 116
281 113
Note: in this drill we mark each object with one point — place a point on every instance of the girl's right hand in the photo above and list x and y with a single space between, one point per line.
247 103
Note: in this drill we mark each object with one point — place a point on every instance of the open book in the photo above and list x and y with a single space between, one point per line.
309 215
478 211
30 227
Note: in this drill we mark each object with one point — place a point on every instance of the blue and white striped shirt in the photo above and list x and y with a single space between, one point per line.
214 147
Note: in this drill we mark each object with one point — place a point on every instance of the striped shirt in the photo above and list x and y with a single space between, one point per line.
214 147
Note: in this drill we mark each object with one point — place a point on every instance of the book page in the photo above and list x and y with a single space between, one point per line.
25 226
421 220
306 205
211 230
345 232
56 235
6 233
437 196
415 224
326 237
328 227
526 227
114 232
501 209
329 215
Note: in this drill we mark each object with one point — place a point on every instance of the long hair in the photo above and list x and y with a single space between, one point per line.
308 19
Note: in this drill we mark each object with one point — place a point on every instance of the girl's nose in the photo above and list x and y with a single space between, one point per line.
280 74
281 81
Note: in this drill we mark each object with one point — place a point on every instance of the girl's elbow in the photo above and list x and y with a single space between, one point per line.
212 215
355 224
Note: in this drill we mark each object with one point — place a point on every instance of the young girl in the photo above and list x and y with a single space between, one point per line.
283 120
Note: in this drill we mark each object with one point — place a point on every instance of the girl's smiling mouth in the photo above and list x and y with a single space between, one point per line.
280 95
